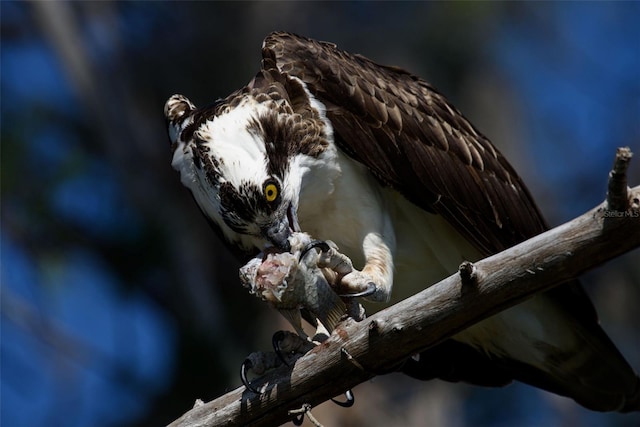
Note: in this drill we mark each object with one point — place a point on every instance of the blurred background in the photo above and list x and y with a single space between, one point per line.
119 306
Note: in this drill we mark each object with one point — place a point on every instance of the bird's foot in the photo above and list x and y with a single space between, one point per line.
358 284
348 282
258 363
289 346
315 244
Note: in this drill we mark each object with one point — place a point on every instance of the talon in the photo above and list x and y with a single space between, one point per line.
298 419
324 247
243 376
348 403
371 289
275 341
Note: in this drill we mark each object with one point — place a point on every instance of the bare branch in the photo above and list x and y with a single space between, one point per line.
617 188
357 351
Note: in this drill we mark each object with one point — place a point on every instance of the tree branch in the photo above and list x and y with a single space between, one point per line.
617 188
357 351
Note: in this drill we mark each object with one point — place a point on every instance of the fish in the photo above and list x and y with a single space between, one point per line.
302 279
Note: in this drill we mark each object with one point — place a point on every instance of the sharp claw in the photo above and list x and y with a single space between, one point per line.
298 419
275 341
348 403
243 376
324 247
371 289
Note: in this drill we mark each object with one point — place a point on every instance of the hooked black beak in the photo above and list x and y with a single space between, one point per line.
280 231
278 234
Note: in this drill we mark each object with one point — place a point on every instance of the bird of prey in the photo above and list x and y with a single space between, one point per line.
375 159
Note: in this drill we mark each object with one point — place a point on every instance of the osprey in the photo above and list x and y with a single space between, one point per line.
376 160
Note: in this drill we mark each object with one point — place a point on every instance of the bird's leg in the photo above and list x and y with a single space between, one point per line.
374 281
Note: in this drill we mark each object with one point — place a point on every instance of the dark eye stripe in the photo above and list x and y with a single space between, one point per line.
238 204
241 206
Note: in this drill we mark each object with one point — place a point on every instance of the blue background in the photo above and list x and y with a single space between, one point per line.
120 307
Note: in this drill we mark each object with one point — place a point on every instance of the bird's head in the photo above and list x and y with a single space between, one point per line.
243 160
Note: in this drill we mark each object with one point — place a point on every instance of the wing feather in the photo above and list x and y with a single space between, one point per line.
413 140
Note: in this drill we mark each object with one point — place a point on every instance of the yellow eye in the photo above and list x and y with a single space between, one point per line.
270 192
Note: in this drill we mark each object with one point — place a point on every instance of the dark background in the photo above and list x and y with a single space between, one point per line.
119 305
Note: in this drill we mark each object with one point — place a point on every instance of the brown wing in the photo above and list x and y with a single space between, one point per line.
413 140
